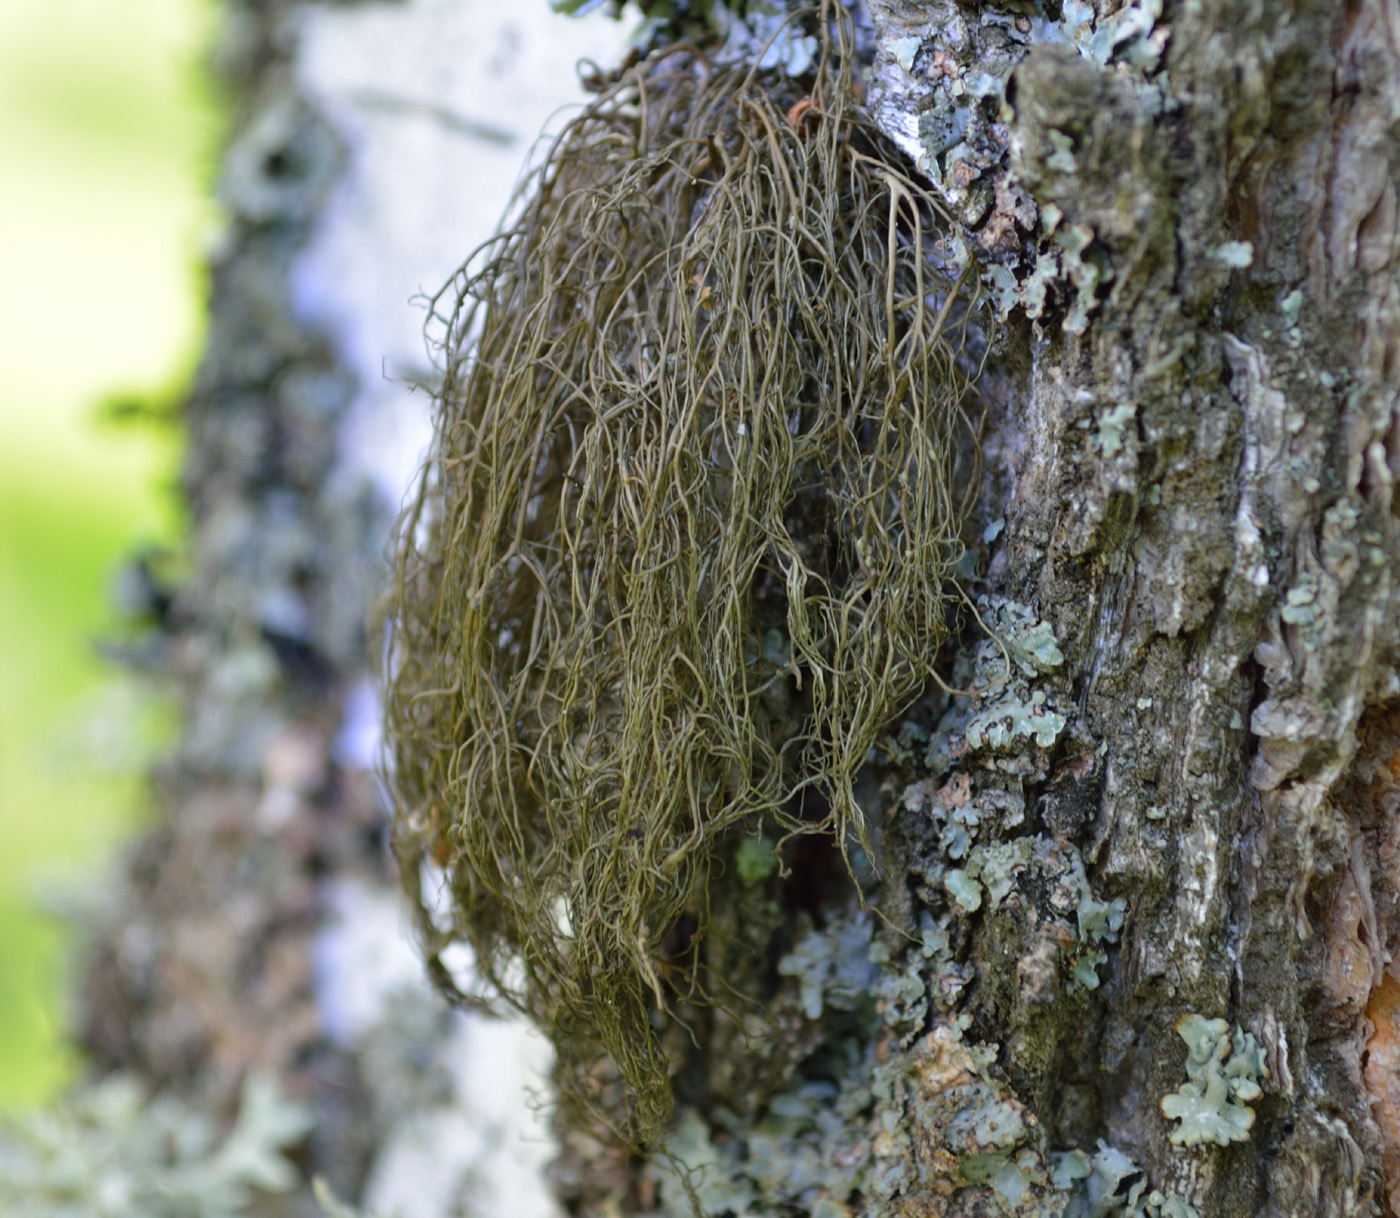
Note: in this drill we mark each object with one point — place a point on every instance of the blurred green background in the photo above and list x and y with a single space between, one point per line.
108 126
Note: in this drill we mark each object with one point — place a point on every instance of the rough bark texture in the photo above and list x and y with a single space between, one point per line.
1186 216
1223 584
1198 497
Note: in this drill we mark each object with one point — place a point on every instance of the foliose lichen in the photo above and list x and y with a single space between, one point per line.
953 72
1011 720
1224 1072
832 968
1108 1184
110 1149
1008 716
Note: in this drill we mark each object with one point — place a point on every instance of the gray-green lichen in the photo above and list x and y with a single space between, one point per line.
931 1129
859 1135
942 88
1223 1073
832 968
109 1150
1108 1184
1008 716
1010 721
1099 923
758 32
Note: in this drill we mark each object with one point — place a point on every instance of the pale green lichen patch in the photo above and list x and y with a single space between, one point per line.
905 50
1108 1184
1007 715
110 1150
1224 1073
964 889
1291 306
1012 720
1069 261
765 35
1304 609
1083 271
1130 35
1234 254
1112 426
1099 924
698 1171
1011 1177
832 968
1071 264
1028 641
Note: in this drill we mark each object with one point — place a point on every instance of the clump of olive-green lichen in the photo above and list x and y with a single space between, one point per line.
584 710
756 859
108 1149
1223 1072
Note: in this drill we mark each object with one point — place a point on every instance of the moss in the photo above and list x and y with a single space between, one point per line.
755 859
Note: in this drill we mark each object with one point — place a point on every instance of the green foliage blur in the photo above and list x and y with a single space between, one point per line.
107 130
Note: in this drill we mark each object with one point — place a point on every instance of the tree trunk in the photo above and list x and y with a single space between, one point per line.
1193 453
1173 789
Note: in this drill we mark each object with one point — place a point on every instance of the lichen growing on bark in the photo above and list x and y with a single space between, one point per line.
1224 1074
684 545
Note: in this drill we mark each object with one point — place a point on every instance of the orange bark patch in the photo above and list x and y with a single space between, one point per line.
1383 1078
1349 973
1393 765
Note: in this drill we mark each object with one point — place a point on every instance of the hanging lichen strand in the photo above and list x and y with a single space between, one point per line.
684 543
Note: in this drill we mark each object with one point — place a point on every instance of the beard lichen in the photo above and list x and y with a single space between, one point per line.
684 545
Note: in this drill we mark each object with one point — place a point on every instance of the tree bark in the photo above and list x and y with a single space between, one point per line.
1186 218
1195 458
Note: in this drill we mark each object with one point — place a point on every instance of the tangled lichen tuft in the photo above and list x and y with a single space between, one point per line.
684 543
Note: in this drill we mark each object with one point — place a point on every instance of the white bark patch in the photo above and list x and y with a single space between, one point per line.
439 103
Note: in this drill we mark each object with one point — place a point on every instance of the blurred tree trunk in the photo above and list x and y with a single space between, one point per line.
206 968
